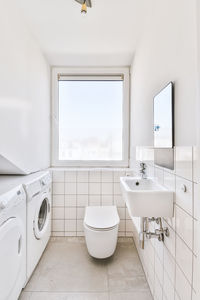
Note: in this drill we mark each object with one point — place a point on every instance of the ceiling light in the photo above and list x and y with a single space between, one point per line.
85 4
84 8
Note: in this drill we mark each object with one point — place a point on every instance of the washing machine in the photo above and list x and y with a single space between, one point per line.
38 192
12 243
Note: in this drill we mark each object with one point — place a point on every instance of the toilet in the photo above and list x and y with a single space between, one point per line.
101 230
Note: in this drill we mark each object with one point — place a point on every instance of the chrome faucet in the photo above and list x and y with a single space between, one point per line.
143 170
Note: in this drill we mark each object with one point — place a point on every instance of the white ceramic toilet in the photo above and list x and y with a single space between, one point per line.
101 230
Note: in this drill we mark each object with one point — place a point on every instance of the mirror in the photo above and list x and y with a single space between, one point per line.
164 118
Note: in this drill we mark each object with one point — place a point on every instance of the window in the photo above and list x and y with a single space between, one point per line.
90 117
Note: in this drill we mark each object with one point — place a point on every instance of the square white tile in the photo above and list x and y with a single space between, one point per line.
159 269
58 225
184 226
129 225
127 215
95 176
196 274
70 213
158 291
116 188
197 201
168 287
80 225
58 212
70 188
70 233
122 225
170 181
169 265
70 200
170 241
196 249
184 162
82 188
58 200
82 200
196 164
80 212
118 201
58 188
94 200
70 176
107 188
82 176
184 258
117 175
57 233
70 225
183 288
107 200
94 188
58 176
184 194
107 176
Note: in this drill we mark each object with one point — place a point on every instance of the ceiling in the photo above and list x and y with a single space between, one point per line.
106 36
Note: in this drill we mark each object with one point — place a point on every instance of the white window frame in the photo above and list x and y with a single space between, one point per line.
56 72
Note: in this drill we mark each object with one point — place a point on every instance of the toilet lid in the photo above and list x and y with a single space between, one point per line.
101 217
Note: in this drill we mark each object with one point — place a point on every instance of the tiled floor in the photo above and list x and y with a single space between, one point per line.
67 272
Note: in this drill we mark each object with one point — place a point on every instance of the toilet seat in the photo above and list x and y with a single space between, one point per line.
100 229
101 218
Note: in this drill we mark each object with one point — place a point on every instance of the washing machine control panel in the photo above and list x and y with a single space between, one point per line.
11 198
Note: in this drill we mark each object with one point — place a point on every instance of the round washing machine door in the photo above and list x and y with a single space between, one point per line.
10 256
42 216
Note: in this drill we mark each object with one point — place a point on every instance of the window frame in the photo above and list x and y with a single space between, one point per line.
56 72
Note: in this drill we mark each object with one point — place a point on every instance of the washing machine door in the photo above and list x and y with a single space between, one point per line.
10 256
42 216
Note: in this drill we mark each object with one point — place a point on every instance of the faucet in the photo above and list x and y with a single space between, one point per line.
143 170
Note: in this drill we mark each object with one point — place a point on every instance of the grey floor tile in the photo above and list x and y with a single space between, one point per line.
131 296
67 267
67 272
127 284
25 296
63 296
125 272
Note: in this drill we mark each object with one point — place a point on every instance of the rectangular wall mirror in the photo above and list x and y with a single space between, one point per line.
164 118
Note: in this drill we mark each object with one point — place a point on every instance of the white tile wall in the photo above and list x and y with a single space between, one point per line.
183 162
75 189
175 275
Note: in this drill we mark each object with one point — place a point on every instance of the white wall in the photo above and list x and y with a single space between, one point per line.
167 51
24 94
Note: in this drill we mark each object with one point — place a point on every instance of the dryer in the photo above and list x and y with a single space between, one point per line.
12 243
38 191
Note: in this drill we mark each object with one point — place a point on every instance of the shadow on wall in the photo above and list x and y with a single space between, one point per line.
7 167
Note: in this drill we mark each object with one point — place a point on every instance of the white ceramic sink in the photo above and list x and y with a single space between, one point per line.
146 198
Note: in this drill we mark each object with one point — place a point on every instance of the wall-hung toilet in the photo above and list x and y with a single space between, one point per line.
101 230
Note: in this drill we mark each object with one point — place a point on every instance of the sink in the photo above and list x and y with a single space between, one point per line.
146 198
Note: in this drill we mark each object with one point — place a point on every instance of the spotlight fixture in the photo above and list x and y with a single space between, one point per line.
84 8
85 4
